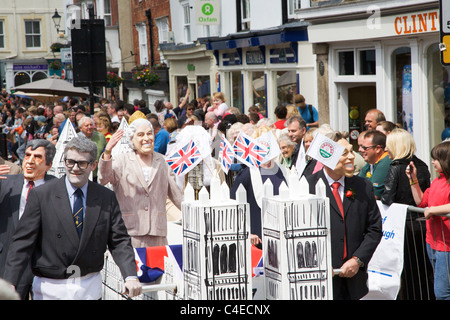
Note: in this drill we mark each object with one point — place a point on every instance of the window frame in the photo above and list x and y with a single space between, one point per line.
2 34
107 16
33 34
243 24
186 22
162 23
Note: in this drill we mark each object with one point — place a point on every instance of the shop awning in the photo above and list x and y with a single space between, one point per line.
290 32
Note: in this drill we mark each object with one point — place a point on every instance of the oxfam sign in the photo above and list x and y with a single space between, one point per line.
207 12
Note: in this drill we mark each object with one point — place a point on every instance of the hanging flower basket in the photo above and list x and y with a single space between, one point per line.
113 80
56 65
56 46
144 75
160 66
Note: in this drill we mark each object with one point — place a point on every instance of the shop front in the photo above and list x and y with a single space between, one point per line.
390 62
18 72
265 68
191 66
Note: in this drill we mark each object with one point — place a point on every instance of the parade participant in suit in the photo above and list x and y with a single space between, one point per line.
356 227
142 181
67 226
14 189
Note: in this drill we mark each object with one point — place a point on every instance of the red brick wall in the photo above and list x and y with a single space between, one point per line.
159 8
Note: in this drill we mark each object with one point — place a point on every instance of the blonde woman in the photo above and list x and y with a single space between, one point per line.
401 147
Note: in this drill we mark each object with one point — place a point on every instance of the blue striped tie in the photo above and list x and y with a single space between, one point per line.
78 211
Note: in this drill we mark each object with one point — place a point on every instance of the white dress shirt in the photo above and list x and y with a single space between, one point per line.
23 196
341 181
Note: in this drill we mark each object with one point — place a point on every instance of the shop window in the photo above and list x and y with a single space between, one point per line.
403 94
438 96
286 86
346 63
203 86
39 76
357 62
182 86
21 78
259 89
32 33
367 62
236 91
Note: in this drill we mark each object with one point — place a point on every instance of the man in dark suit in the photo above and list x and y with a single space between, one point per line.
67 226
14 189
356 227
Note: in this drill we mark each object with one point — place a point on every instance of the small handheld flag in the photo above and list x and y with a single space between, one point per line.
226 155
249 151
184 160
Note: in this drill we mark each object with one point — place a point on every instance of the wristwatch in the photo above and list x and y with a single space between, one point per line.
361 264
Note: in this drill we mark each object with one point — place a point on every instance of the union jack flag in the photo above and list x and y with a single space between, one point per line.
226 155
185 159
249 151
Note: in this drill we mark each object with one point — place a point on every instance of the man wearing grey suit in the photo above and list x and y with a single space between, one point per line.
14 189
67 226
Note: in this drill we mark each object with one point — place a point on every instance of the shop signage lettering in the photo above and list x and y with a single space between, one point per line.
416 23
283 55
207 12
254 57
28 67
231 59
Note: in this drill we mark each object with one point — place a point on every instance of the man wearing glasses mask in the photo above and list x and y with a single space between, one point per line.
67 226
377 160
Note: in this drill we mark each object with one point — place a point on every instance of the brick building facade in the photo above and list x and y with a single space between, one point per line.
141 12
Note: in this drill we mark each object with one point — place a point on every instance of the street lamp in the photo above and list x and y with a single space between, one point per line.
56 20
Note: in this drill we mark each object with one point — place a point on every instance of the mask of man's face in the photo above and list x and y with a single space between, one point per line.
34 164
345 165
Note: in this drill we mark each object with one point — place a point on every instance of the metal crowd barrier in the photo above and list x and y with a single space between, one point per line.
417 276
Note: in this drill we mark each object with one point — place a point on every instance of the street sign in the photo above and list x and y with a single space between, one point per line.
207 12
444 18
66 55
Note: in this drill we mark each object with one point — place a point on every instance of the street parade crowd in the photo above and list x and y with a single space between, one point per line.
48 224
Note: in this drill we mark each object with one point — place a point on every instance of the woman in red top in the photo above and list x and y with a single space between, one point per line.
436 200
280 113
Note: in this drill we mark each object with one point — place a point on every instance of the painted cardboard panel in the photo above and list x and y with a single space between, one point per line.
216 246
297 247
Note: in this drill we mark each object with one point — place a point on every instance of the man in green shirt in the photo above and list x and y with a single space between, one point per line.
377 160
87 129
